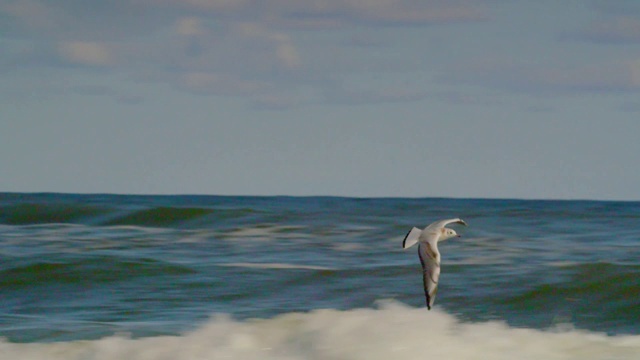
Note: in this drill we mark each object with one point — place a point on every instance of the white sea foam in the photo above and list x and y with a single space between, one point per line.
265 232
392 332
347 247
276 266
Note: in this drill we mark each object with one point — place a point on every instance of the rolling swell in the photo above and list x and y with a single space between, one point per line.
610 292
160 216
91 266
102 269
34 213
600 282
155 216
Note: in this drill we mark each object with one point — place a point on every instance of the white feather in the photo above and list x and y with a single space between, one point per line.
429 254
411 238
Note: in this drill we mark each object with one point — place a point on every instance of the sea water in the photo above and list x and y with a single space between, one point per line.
211 277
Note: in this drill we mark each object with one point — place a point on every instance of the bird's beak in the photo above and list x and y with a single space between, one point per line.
459 235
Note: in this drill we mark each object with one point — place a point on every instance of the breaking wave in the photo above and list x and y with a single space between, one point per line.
392 331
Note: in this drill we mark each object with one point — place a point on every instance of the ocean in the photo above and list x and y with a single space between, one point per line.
106 277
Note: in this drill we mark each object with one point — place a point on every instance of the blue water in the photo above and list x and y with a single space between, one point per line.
115 276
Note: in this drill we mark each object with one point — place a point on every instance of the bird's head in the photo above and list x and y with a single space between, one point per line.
448 234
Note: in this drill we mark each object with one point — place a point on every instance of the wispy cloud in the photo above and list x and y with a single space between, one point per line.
333 13
106 91
551 79
621 29
614 23
218 84
87 53
618 7
242 48
255 50
630 106
374 95
468 98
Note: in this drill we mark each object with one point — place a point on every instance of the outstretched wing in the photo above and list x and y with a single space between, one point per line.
443 223
430 259
411 238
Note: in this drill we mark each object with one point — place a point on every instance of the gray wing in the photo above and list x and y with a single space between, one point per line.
443 223
430 259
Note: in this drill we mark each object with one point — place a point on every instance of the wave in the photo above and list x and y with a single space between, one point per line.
595 284
393 331
610 288
276 266
102 269
154 216
160 216
29 214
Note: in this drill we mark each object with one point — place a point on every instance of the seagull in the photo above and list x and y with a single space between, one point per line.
429 254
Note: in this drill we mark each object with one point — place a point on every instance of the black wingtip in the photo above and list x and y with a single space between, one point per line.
405 238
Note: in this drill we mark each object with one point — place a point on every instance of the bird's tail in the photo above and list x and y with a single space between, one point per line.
411 238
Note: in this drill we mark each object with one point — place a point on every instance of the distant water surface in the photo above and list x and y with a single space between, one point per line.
209 277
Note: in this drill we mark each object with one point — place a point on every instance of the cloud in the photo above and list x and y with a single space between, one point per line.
540 108
219 84
277 101
189 26
365 41
615 30
130 99
106 91
467 98
30 15
535 79
340 94
245 48
72 20
333 13
286 52
615 22
630 107
85 53
93 90
618 7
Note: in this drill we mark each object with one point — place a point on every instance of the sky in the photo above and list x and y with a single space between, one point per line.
363 98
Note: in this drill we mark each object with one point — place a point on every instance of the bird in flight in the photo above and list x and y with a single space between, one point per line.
429 254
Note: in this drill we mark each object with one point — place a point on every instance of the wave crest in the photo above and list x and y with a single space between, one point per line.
393 331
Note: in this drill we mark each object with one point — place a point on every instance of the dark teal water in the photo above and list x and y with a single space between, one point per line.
141 268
